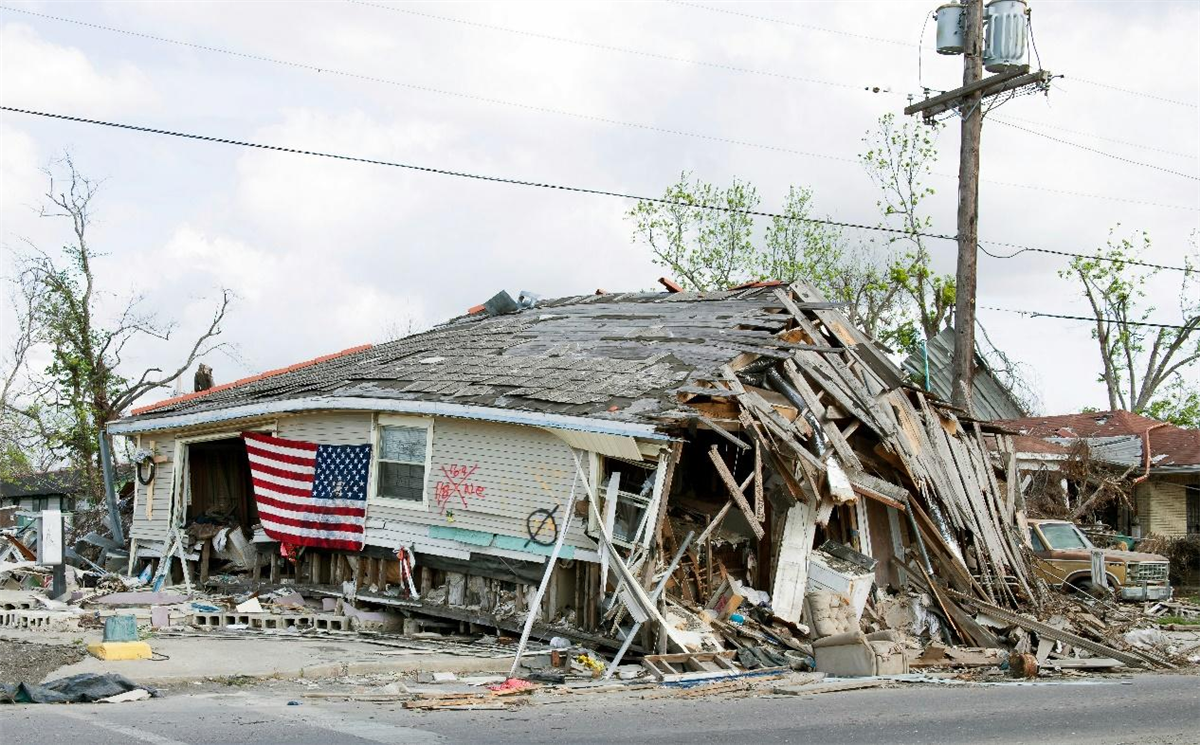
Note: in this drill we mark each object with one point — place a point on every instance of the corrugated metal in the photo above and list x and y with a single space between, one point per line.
1122 450
991 399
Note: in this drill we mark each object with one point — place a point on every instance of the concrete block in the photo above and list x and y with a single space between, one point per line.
160 618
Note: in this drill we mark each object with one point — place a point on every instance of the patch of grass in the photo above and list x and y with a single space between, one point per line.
1178 620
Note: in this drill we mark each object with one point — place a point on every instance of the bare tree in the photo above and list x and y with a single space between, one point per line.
1136 360
84 386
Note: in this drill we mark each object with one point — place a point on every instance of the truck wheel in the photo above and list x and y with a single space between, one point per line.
1087 587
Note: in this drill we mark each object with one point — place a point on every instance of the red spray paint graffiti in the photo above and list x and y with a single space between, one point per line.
457 483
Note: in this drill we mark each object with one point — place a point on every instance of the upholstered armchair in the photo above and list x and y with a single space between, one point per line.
841 648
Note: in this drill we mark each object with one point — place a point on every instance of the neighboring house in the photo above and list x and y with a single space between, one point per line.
32 493
650 408
1161 460
990 398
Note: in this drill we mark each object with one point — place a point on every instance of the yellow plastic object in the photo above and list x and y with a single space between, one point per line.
120 650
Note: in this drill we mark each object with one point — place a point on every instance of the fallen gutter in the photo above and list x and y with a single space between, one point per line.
1146 452
422 408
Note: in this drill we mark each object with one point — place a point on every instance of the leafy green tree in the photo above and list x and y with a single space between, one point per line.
899 158
1138 361
1178 404
709 250
706 249
58 413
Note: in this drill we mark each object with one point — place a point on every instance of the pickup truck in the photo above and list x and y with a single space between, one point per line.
1064 559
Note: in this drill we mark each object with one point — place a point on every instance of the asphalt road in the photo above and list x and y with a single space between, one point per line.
1147 710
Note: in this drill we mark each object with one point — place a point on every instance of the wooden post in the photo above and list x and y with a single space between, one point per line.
205 555
968 208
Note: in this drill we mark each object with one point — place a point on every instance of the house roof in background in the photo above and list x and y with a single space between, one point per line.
66 481
613 356
1170 446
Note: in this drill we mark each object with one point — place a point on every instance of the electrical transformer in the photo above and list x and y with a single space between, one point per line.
950 28
1006 35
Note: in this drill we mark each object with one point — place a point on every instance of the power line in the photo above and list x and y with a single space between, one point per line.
1096 150
467 174
898 42
1127 143
428 89
614 48
535 184
805 26
1132 262
1091 319
321 69
1143 94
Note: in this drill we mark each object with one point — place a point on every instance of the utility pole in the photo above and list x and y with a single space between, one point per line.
970 110
961 31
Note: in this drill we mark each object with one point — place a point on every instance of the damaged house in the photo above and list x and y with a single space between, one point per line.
1144 477
623 461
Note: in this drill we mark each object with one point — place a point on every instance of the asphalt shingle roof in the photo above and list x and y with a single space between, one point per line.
619 356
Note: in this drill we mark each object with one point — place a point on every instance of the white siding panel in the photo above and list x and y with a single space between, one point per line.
156 526
519 469
348 428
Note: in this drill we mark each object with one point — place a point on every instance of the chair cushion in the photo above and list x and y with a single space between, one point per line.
830 613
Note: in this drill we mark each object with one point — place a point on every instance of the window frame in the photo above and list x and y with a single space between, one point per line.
411 422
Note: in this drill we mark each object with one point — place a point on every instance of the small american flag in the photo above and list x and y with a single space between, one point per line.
309 494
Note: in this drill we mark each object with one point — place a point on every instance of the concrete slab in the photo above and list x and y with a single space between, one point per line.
204 658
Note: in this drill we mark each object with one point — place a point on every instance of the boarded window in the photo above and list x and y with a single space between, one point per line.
402 462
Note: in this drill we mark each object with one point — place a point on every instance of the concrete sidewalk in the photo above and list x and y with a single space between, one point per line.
198 658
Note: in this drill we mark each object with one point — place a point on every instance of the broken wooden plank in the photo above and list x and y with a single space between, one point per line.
734 491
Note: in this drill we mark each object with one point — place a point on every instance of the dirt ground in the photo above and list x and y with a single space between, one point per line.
29 662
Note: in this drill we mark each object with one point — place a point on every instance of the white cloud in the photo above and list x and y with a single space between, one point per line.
325 254
35 73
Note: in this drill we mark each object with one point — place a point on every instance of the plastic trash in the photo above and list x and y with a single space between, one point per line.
75 689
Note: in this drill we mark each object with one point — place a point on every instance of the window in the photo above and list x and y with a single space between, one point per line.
1193 509
1064 536
1036 541
402 454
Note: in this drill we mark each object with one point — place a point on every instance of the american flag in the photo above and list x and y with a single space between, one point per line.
310 494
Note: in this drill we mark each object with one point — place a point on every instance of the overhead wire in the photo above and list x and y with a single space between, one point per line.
322 69
465 174
898 42
614 48
1127 143
1132 262
523 182
1097 151
1091 319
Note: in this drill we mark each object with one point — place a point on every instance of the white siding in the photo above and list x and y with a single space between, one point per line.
347 428
153 524
520 469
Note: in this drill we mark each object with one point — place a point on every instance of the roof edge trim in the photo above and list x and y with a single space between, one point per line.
347 403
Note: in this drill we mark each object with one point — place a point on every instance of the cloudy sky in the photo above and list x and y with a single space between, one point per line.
326 255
